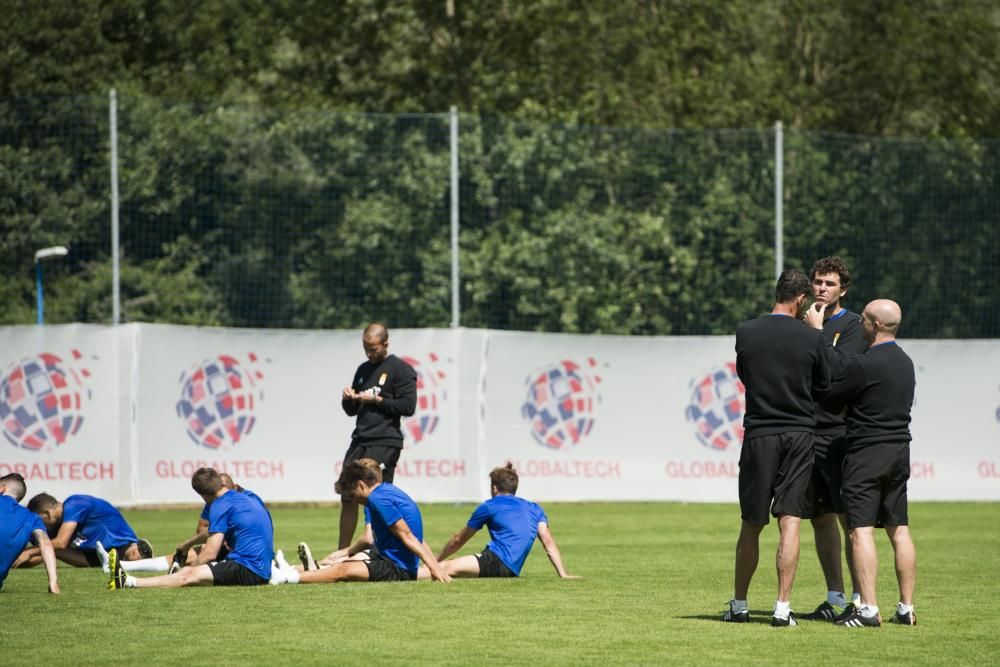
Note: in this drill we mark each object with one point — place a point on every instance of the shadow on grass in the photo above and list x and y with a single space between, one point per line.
758 616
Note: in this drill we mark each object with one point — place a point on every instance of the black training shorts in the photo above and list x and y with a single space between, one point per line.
231 573
381 568
875 479
490 565
387 455
774 475
826 480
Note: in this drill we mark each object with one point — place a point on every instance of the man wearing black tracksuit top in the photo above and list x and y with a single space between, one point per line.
783 365
384 390
877 390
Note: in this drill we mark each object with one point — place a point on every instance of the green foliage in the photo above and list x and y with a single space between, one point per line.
656 577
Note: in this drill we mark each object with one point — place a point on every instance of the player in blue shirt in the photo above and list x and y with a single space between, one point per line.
397 530
18 526
234 519
80 522
513 523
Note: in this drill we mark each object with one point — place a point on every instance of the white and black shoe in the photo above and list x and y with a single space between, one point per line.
858 620
824 612
736 616
306 557
779 622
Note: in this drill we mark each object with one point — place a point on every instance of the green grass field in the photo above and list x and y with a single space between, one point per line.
656 579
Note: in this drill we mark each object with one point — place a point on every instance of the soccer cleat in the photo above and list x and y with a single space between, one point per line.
909 618
306 557
116 578
180 558
778 622
824 612
857 620
145 548
733 616
848 610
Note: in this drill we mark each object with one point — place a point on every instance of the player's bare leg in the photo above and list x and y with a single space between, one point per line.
747 557
787 557
906 561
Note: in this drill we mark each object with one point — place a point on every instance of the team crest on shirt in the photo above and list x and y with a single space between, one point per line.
382 378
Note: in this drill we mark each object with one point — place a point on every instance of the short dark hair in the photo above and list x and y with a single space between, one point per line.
16 483
206 481
42 502
831 265
504 478
792 284
354 472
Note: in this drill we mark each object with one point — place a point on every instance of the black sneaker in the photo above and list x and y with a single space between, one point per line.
778 622
824 612
848 610
732 616
116 578
909 618
856 620
180 558
145 548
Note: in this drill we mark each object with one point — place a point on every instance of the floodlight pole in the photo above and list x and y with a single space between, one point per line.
44 253
456 307
779 187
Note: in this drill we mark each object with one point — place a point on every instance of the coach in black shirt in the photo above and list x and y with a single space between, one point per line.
384 390
784 367
877 390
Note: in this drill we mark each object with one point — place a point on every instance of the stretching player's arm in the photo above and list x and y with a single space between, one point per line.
552 551
49 558
199 537
64 537
420 549
456 542
364 541
211 550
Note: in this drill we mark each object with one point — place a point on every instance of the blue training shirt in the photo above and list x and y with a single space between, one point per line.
247 530
513 525
97 521
247 492
387 504
17 527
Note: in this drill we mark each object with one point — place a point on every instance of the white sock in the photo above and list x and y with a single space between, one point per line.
158 564
291 575
129 581
869 611
738 605
279 558
781 609
856 598
102 554
277 576
836 598
902 609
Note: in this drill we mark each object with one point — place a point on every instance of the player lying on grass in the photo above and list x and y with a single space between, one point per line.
235 519
513 523
397 530
79 523
188 550
18 526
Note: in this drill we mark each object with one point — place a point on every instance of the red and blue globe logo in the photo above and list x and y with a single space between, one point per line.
718 403
431 393
218 400
561 401
42 400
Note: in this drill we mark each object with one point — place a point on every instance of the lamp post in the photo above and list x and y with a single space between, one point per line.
44 253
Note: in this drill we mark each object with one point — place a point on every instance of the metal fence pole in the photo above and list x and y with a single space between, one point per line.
455 304
116 307
779 186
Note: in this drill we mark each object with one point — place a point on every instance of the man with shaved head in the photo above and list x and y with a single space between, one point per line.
877 390
383 391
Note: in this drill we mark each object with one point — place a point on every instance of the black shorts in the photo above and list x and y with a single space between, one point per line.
381 568
875 479
231 573
490 565
387 455
827 475
774 475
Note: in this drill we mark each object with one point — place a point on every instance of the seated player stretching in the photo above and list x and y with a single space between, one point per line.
397 530
513 524
79 523
18 526
235 519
